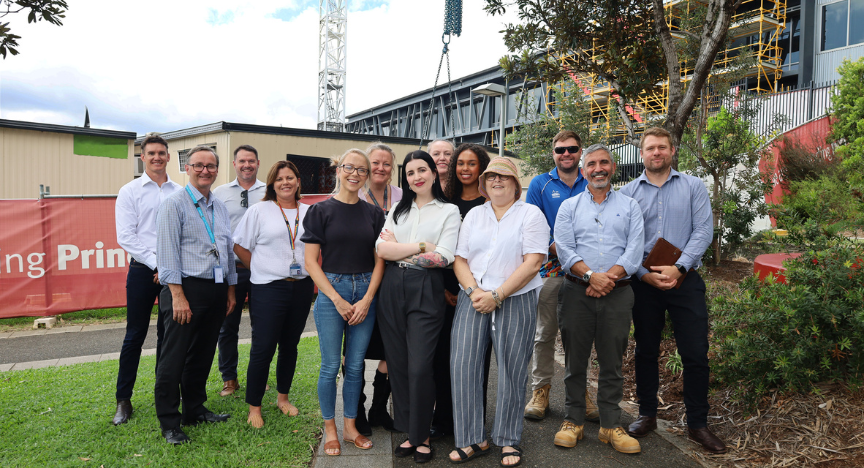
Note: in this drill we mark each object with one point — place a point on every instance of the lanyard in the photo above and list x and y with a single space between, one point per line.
293 235
386 199
203 218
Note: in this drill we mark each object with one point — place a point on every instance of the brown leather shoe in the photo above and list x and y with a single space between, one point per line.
124 411
707 439
642 426
229 388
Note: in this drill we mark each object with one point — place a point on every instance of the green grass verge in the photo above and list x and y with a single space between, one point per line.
61 416
82 317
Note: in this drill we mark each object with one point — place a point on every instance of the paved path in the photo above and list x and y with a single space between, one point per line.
75 344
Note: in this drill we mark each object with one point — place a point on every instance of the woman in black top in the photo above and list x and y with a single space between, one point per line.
343 231
463 190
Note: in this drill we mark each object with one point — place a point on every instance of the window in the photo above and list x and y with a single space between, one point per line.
790 42
836 21
138 170
317 176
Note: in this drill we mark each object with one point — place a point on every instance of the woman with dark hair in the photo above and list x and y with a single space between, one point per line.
267 241
418 241
343 230
463 190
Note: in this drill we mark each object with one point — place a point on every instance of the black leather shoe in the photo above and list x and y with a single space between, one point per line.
209 417
436 433
402 452
420 457
642 426
707 439
124 411
175 436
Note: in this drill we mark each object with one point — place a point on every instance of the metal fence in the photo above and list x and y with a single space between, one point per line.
799 106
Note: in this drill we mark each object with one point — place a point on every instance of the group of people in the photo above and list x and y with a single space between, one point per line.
430 279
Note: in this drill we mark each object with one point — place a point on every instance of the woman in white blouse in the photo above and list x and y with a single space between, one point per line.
418 240
501 247
267 241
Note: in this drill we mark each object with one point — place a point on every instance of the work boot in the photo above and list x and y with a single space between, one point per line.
592 413
536 408
568 435
378 414
620 440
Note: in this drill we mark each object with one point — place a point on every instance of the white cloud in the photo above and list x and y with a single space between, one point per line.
167 65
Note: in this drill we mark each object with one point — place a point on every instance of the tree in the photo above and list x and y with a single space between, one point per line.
847 106
52 11
726 149
532 141
619 40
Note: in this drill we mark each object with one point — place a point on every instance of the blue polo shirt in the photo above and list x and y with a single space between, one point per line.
548 192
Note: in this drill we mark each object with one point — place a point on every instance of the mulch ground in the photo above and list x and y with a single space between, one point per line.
821 429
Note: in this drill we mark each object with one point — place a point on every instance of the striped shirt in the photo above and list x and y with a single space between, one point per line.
678 211
183 245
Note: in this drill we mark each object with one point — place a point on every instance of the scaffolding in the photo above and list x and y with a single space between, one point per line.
755 30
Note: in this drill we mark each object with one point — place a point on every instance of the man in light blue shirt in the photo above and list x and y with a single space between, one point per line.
600 239
676 207
196 265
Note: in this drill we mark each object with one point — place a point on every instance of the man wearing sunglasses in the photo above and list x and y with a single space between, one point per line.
547 192
238 195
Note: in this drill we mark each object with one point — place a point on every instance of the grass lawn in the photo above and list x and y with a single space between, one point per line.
82 317
61 416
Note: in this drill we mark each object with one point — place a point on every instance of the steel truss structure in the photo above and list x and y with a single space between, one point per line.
332 58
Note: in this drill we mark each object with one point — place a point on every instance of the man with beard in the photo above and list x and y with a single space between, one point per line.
547 192
599 235
676 207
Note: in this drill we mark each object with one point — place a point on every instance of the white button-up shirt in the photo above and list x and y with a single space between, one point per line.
495 249
437 222
263 232
135 216
230 196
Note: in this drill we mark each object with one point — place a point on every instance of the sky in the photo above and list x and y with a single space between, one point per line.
165 65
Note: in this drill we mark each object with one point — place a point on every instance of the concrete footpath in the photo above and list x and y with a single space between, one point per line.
77 344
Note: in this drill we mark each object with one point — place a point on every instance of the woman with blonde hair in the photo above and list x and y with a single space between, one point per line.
342 231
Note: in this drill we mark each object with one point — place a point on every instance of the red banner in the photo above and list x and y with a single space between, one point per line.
61 255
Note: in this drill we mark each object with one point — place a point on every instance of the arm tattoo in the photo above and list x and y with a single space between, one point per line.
429 260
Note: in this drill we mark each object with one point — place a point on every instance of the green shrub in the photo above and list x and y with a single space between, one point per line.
828 200
789 337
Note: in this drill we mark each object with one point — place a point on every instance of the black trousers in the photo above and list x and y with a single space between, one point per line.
411 314
280 310
187 350
141 293
689 314
229 333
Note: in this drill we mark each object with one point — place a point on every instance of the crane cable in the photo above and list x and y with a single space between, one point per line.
452 27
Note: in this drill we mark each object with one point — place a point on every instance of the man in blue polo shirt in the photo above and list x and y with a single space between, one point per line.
547 192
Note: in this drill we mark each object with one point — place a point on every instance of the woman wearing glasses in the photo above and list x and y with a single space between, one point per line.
343 230
418 240
501 247
380 193
267 241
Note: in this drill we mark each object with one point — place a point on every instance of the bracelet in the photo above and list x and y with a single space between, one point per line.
498 301
422 246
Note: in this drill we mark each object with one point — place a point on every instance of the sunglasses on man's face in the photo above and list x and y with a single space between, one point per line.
570 149
244 199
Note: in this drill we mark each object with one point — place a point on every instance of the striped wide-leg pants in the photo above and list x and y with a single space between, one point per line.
512 335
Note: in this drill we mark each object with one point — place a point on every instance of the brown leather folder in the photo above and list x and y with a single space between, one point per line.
664 253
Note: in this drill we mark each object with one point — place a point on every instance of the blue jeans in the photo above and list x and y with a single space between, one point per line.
331 329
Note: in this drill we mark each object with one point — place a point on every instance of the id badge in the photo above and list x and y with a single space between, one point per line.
294 270
218 275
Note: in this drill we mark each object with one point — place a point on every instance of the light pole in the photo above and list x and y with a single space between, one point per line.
492 90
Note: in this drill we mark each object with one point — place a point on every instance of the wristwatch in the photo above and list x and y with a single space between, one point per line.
681 268
422 247
587 276
470 290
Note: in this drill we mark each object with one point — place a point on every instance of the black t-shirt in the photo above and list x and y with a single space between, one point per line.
466 205
346 233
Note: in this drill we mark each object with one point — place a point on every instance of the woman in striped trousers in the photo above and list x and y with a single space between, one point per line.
501 247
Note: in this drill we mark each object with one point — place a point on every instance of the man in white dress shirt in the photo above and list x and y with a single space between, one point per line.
135 218
238 195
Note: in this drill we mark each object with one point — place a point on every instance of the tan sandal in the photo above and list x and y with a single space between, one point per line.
333 444
360 442
288 409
